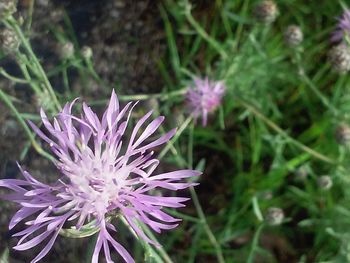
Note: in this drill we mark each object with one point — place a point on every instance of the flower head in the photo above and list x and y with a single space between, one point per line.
343 28
102 174
204 97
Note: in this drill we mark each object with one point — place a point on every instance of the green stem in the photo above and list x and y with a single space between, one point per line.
5 255
7 101
90 248
315 90
190 146
255 244
202 219
207 229
312 86
279 130
10 77
36 62
23 66
182 216
174 54
160 96
30 15
93 72
197 204
147 246
161 250
256 209
239 29
170 144
204 34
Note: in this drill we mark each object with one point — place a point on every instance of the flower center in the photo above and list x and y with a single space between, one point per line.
97 184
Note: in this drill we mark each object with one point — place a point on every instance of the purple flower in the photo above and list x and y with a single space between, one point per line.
343 27
98 179
204 97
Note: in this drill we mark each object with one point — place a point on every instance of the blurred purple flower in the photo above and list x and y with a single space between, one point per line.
97 180
343 27
204 97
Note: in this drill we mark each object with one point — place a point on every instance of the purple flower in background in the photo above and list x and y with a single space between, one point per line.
343 27
204 97
98 180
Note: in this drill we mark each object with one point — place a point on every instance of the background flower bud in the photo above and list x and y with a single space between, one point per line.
274 216
9 40
342 134
293 36
66 50
7 8
86 52
339 58
325 182
266 11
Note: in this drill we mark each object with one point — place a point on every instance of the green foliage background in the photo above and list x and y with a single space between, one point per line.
279 116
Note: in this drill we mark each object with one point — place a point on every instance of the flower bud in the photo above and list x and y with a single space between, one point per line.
342 134
66 50
339 57
266 11
301 172
86 52
325 182
9 40
274 216
293 36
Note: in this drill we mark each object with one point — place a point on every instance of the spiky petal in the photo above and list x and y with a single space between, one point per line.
98 179
343 28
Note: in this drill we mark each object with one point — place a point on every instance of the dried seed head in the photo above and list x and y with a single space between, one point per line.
339 57
342 134
325 182
86 52
266 11
66 50
9 40
293 36
274 216
7 8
